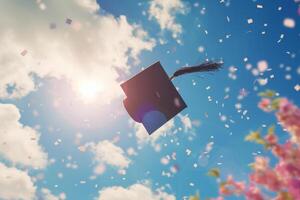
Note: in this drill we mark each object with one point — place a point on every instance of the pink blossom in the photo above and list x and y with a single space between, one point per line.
231 187
261 163
294 188
268 178
284 177
271 139
288 170
218 198
253 193
278 151
264 104
289 116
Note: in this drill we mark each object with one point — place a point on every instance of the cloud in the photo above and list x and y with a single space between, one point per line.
64 39
107 153
134 192
47 195
90 5
19 143
164 12
143 137
15 184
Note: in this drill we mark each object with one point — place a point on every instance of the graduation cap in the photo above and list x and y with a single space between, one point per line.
152 99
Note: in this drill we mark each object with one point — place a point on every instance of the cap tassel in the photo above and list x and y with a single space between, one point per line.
204 67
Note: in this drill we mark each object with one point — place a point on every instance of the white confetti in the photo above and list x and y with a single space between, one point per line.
250 21
297 87
188 152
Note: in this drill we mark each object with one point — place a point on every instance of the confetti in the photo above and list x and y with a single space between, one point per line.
165 160
214 172
262 66
23 53
188 152
228 19
289 23
250 21
262 81
201 49
297 87
68 21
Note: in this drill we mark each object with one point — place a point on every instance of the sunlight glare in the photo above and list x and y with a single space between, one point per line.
89 90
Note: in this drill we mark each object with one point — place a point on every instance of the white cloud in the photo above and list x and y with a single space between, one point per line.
91 5
15 184
107 153
47 195
142 135
164 12
134 192
19 143
91 48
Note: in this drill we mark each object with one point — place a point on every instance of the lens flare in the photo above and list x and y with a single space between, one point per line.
89 90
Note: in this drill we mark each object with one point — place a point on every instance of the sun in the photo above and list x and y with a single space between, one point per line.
89 90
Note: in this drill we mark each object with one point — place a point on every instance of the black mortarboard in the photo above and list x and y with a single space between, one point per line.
152 99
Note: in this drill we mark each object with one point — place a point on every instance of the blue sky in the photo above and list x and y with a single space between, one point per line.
77 128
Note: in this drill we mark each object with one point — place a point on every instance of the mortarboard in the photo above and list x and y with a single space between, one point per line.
152 99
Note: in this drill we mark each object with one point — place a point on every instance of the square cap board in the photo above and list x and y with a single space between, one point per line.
152 99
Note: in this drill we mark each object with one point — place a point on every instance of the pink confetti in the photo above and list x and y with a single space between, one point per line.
24 52
262 65
289 23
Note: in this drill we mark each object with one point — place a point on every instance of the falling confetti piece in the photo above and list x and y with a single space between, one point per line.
201 49
165 160
24 52
250 21
243 92
262 66
297 87
228 19
281 37
262 81
188 152
68 21
289 23
174 169
214 172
